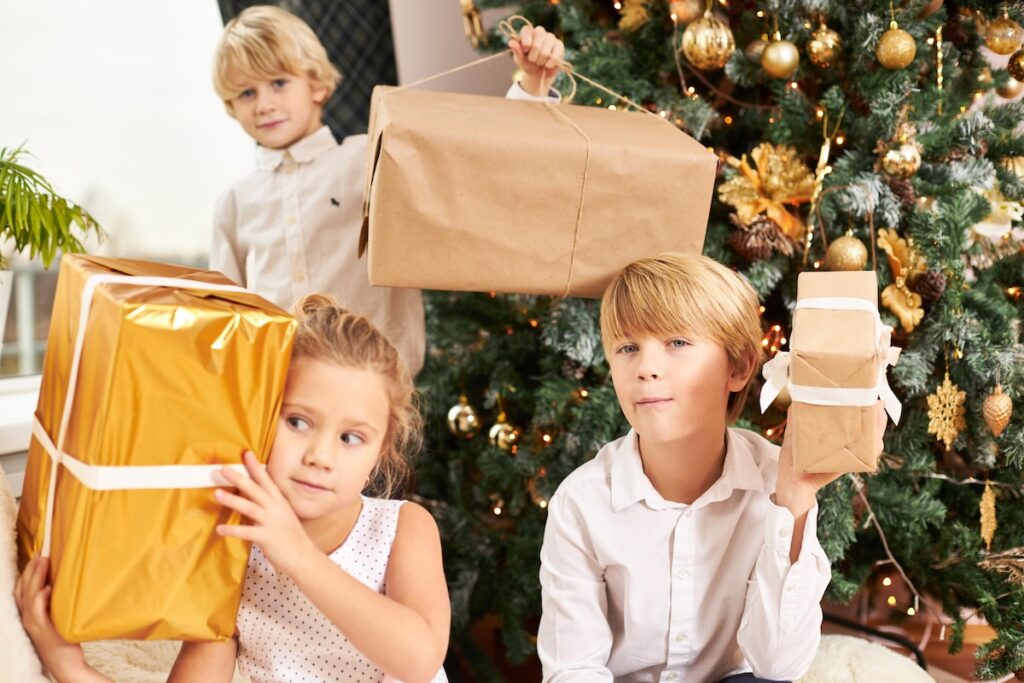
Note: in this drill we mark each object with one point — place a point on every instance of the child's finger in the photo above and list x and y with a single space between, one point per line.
526 37
244 532
239 504
556 56
38 578
517 50
537 46
259 474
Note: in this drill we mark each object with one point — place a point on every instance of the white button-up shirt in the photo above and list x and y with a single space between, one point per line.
291 227
637 588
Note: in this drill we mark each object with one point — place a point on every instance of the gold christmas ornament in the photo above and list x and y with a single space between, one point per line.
997 410
896 48
987 508
846 253
634 14
777 179
946 412
1004 35
473 24
823 46
685 11
780 58
502 434
906 264
1015 164
901 157
1015 65
462 419
1011 89
930 9
1004 213
755 49
708 43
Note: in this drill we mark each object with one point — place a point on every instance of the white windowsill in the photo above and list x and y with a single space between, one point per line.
18 397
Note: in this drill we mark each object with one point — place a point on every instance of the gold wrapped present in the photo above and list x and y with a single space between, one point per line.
476 193
836 369
155 377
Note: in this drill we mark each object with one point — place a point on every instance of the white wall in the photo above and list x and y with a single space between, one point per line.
430 39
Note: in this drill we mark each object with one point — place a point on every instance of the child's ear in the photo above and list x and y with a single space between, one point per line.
741 372
320 95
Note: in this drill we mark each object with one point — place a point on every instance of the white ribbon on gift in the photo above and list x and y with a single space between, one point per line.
776 371
116 477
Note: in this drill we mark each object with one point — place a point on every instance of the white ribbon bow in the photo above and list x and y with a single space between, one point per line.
776 371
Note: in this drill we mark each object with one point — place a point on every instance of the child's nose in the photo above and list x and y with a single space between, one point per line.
317 455
650 365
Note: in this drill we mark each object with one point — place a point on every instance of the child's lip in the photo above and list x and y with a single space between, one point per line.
310 485
269 125
649 400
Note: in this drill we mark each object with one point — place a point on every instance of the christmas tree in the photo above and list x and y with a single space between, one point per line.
852 135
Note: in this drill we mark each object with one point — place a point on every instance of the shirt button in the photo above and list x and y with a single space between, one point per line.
681 638
681 574
783 533
789 588
671 676
291 220
298 277
289 170
688 513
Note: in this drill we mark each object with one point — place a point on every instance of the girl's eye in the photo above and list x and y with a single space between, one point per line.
352 439
280 82
679 343
246 94
627 348
297 423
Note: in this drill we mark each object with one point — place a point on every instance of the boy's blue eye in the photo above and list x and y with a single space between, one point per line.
627 348
297 423
279 82
352 439
247 93
679 343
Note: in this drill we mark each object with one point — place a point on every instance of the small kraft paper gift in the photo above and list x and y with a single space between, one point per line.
155 377
475 193
836 372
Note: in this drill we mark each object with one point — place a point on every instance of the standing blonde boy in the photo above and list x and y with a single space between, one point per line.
291 227
685 550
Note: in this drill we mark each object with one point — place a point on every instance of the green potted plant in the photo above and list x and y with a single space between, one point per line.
35 218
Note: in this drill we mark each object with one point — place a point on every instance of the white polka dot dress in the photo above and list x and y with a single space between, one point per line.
284 638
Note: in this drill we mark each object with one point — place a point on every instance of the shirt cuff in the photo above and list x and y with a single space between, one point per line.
802 583
516 92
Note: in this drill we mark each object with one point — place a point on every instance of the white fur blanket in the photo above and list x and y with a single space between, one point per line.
840 659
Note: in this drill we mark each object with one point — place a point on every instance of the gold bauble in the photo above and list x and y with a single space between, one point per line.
896 48
823 46
1004 35
1011 89
997 410
902 160
846 253
708 43
462 419
685 11
1015 65
780 58
755 49
931 8
502 434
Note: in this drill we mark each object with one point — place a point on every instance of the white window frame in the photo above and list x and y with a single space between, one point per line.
18 398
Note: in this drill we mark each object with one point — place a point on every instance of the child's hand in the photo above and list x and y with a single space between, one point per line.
538 53
275 528
32 595
797 490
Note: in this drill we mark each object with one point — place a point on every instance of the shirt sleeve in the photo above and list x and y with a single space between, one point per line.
781 625
225 253
574 640
516 92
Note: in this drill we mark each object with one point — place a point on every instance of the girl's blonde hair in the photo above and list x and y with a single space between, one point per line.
684 293
264 41
333 334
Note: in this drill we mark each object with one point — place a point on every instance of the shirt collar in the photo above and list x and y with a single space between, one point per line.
305 150
629 484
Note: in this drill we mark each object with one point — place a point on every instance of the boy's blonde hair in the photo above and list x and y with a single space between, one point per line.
333 334
684 293
264 41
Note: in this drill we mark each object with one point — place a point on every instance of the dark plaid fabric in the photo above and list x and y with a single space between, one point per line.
357 35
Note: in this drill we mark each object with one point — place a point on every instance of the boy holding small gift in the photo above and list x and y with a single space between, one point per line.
685 550
291 227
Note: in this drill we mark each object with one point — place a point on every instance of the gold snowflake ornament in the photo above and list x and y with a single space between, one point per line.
946 412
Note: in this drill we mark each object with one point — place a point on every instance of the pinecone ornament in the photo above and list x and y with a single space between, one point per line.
997 410
758 240
930 285
954 31
904 189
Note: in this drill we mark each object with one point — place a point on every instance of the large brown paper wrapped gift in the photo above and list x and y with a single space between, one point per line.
479 193
178 375
838 345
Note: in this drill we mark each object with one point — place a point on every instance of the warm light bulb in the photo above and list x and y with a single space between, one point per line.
910 611
728 120
497 510
887 581
546 438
